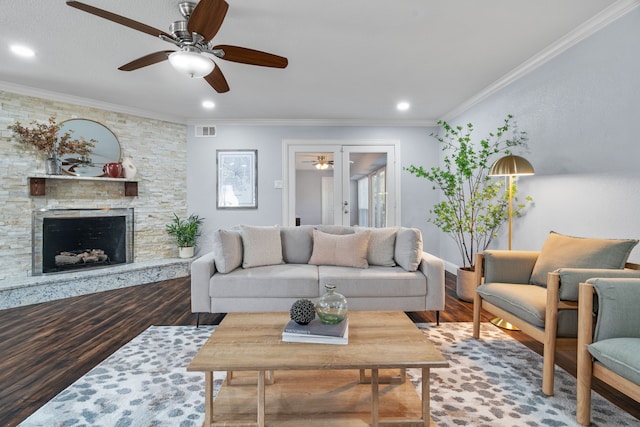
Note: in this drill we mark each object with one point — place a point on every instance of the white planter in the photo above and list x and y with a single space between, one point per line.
465 284
185 252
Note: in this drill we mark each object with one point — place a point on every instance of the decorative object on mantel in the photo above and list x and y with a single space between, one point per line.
186 233
474 206
47 138
128 168
107 148
113 170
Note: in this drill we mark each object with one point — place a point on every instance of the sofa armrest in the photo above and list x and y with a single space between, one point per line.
570 278
201 271
501 266
433 268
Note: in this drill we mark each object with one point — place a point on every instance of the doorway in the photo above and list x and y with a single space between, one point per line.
341 183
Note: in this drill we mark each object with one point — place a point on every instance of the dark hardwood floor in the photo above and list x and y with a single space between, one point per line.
46 347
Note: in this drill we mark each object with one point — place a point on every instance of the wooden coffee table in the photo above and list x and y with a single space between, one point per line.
320 384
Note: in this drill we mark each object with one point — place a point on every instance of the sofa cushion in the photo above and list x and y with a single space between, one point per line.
579 252
261 245
375 281
271 281
528 303
382 245
408 249
227 249
297 243
621 355
349 250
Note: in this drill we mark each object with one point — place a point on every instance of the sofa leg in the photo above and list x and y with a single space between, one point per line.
197 320
437 317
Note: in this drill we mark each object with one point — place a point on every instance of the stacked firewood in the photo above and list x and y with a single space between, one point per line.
77 257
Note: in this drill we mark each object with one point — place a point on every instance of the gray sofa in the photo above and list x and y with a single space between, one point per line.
254 269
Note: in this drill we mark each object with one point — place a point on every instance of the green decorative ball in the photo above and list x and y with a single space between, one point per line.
303 311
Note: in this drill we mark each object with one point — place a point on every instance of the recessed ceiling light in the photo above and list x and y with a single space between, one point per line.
403 106
23 51
208 104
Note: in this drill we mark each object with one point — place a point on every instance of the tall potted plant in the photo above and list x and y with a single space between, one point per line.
186 233
474 206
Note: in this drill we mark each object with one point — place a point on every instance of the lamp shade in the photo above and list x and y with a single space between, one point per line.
511 165
192 63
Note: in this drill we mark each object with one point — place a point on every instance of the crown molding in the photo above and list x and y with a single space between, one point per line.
585 30
86 102
312 122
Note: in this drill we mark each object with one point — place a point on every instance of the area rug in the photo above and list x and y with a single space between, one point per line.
491 382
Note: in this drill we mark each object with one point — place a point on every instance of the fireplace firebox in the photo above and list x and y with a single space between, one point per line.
72 239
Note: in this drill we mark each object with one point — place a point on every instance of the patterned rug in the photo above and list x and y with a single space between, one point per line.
492 382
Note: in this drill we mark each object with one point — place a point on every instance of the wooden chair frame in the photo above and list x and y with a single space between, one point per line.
587 368
548 335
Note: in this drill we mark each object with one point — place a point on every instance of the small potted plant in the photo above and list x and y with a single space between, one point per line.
186 233
46 138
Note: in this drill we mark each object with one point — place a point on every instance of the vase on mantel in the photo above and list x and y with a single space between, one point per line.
52 166
128 168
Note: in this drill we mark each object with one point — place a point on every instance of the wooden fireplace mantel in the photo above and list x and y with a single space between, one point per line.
37 183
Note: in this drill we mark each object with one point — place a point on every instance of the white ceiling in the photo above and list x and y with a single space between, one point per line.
350 62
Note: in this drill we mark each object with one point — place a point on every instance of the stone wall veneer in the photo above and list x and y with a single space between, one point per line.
157 148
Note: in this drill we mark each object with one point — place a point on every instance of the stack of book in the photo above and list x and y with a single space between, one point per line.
317 332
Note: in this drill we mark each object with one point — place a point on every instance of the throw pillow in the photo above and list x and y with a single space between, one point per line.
560 251
227 250
382 245
347 250
297 243
262 246
408 250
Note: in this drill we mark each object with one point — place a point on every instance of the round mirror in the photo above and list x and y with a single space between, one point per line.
106 149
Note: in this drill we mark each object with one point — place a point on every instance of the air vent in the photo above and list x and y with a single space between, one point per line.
205 131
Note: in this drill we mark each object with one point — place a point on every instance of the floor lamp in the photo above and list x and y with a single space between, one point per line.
510 166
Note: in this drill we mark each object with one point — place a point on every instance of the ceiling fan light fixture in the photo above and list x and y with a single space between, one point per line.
191 62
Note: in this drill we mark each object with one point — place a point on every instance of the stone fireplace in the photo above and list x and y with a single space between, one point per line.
75 239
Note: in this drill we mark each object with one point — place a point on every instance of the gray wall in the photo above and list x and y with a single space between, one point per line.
580 111
416 146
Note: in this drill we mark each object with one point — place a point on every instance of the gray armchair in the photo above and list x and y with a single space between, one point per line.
611 350
537 291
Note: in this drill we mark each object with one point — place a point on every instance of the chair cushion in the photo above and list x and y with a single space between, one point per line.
227 249
621 355
382 245
618 308
528 303
261 245
297 243
408 250
579 252
348 250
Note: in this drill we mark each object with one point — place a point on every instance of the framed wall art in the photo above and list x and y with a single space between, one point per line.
237 179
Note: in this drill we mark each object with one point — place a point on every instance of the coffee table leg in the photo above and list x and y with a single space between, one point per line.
208 398
375 399
261 375
426 398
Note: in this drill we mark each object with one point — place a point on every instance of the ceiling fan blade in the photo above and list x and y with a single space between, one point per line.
251 56
217 81
150 59
118 19
207 18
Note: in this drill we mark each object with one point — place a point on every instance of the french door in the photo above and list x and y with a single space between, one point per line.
352 183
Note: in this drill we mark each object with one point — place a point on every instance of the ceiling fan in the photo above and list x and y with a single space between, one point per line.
321 162
193 36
